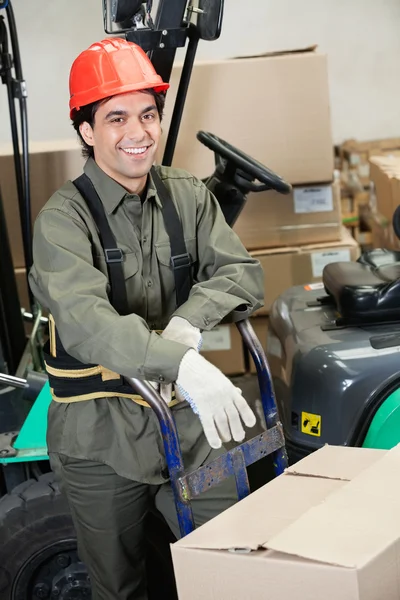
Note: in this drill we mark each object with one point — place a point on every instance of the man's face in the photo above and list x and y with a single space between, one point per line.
125 137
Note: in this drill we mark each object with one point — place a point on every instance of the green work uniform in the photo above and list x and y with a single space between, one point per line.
69 278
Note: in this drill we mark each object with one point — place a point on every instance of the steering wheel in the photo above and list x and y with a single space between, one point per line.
250 168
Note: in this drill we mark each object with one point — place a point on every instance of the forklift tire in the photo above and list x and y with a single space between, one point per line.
38 555
38 548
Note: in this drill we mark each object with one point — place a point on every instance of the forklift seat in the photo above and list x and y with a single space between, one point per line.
367 290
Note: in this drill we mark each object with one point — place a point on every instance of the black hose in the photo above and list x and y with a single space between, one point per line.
27 190
23 170
15 143
7 79
14 41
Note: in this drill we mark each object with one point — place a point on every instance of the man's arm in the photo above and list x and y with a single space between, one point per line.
65 281
228 277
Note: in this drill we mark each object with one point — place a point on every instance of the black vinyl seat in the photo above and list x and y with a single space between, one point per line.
367 290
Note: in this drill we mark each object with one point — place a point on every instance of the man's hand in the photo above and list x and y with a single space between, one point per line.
213 397
179 330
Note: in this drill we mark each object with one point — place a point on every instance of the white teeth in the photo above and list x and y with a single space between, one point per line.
135 150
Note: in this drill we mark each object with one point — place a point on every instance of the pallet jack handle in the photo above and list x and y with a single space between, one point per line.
185 486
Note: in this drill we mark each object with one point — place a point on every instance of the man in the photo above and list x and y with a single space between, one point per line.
104 441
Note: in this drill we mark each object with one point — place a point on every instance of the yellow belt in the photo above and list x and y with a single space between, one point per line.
106 375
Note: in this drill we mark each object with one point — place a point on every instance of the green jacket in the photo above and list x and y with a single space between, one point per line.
65 281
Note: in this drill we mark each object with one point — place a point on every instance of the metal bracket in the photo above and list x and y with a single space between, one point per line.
19 89
164 39
246 454
6 441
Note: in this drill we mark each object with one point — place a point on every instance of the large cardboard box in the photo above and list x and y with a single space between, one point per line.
287 267
310 214
223 347
355 155
385 175
51 165
274 107
328 528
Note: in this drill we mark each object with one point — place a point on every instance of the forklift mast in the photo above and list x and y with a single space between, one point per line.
175 22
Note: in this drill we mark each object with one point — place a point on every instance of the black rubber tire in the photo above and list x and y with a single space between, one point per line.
34 515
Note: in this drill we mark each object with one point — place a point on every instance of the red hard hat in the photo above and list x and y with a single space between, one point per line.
112 66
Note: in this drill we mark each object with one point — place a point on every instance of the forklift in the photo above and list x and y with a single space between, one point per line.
38 551
333 348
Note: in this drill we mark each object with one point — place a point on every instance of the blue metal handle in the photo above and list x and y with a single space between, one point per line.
172 451
234 462
267 392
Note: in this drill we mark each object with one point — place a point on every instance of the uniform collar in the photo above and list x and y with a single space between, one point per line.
111 193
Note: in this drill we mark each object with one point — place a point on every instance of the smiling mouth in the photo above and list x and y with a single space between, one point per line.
140 151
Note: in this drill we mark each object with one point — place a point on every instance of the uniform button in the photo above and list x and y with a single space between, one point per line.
161 379
206 321
144 240
149 283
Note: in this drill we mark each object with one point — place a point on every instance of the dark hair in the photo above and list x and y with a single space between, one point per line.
88 112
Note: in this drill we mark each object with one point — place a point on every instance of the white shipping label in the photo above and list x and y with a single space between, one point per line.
319 260
218 338
313 199
311 287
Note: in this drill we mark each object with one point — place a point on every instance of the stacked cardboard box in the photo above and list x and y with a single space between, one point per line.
354 161
297 265
356 214
223 347
51 164
274 107
355 156
385 175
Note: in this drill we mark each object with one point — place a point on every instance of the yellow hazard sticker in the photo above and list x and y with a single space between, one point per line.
311 424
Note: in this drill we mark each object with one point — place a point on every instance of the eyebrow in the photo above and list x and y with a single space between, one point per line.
123 113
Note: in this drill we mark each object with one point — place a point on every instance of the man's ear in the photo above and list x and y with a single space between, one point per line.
86 132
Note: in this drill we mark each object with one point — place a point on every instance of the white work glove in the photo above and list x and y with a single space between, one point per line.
213 397
179 330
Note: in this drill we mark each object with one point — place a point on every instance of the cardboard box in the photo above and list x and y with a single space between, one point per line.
51 165
364 238
287 267
382 233
274 107
223 347
310 214
327 529
385 175
260 326
355 155
353 204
